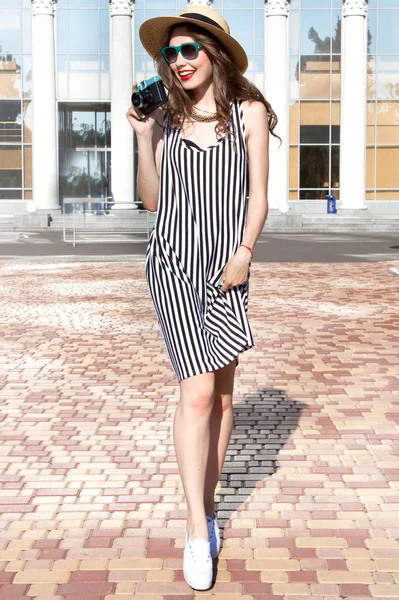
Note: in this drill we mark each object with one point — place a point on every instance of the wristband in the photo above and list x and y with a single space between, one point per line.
248 248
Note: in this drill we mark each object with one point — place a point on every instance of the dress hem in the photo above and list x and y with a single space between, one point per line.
218 366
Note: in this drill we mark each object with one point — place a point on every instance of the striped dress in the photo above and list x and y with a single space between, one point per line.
199 226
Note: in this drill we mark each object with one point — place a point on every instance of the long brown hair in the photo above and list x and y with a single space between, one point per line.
228 84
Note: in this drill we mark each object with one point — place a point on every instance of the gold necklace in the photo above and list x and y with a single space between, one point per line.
196 116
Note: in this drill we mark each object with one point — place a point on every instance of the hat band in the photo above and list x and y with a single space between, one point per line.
199 17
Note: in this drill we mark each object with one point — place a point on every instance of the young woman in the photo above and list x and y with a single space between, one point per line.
203 165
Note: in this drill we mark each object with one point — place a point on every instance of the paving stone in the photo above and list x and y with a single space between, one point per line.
92 506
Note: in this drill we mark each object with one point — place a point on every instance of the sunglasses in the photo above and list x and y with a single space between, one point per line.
189 51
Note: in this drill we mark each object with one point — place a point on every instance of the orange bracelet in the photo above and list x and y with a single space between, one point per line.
248 248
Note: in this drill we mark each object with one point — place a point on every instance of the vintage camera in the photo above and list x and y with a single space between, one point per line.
149 95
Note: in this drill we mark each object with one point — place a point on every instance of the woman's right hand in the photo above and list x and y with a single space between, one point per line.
140 126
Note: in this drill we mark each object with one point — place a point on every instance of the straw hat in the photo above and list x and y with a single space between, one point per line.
152 31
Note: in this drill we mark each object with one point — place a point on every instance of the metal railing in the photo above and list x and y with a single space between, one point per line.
97 220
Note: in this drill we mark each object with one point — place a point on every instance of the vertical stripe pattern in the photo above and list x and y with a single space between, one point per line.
199 226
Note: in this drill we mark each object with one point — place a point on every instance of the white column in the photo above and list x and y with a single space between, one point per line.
122 152
277 93
353 105
44 108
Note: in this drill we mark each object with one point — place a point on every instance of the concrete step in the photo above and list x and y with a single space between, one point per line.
6 222
108 223
337 222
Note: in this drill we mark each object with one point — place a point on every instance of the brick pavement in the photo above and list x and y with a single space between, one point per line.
91 502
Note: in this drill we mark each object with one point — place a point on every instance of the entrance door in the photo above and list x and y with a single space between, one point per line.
85 152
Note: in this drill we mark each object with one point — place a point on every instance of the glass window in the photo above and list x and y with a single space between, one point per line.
315 121
370 158
11 194
370 122
62 43
104 31
316 3
387 167
387 76
10 31
139 18
85 3
242 27
372 32
294 31
235 3
315 134
259 33
335 122
371 63
84 86
158 4
11 171
151 13
105 90
315 76
315 31
10 76
294 108
104 62
314 167
336 76
388 123
314 194
294 167
27 76
83 128
294 77
27 121
388 3
82 31
26 31
334 167
336 32
28 166
84 62
62 62
388 27
10 121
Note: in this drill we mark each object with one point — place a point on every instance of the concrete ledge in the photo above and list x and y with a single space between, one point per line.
287 221
32 221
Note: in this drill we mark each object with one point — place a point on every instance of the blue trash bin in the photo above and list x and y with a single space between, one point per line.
331 204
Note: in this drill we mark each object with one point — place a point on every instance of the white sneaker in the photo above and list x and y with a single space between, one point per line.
214 535
197 564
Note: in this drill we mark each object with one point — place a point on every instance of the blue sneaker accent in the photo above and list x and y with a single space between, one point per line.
213 535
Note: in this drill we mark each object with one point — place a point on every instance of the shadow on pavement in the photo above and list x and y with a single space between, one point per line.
263 424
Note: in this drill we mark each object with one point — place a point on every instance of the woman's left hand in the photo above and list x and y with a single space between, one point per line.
236 271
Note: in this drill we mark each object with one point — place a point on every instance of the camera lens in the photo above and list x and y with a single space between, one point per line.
137 99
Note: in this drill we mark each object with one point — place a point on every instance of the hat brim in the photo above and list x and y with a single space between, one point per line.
152 35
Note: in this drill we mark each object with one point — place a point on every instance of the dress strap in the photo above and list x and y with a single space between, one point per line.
238 124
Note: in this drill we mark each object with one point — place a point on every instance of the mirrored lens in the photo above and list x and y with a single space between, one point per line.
189 51
170 54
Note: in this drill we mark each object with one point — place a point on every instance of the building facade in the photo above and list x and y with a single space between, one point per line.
330 69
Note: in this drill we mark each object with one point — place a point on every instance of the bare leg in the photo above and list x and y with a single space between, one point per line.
221 427
191 438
